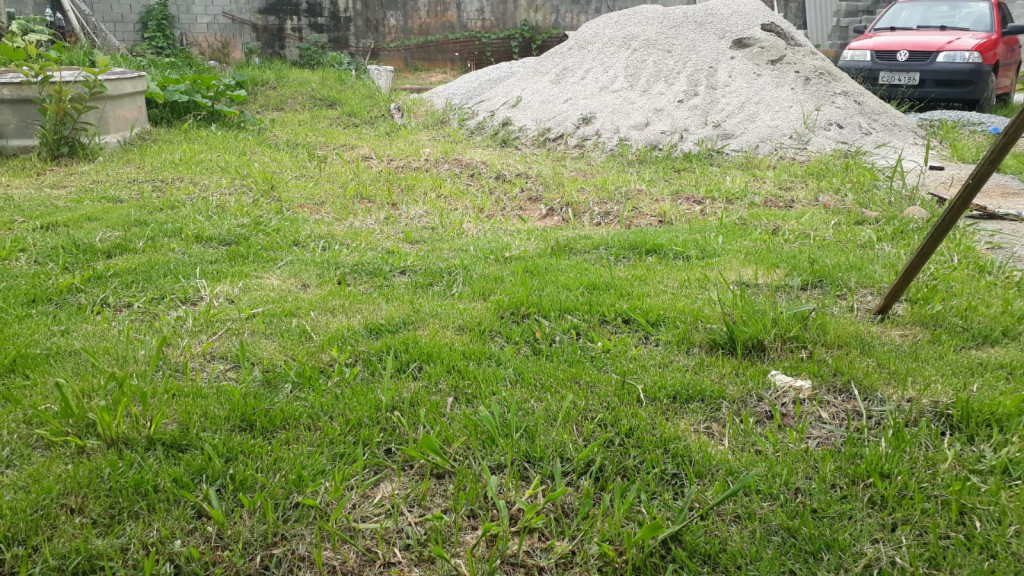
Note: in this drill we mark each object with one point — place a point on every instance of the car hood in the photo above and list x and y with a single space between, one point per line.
929 40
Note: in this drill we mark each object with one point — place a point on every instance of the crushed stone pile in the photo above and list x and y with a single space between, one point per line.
973 120
725 73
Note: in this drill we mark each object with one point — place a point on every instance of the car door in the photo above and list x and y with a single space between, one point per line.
1009 50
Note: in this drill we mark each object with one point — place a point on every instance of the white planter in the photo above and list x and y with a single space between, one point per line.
122 110
382 76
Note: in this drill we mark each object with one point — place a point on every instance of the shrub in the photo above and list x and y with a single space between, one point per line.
26 30
204 96
758 325
183 88
62 132
158 35
23 40
317 55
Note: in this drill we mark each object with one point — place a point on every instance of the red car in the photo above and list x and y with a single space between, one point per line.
958 51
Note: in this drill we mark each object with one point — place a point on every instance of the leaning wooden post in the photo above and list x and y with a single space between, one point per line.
956 208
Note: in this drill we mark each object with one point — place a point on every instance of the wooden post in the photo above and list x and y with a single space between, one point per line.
956 208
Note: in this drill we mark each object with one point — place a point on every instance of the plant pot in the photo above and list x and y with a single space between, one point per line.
121 113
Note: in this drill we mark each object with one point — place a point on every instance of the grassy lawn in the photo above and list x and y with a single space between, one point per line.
337 345
968 146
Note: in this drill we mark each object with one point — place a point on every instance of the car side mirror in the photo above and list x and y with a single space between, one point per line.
862 28
1013 30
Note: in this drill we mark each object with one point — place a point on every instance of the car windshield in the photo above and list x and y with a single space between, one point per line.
937 15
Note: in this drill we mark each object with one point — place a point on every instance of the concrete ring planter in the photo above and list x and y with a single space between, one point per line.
122 110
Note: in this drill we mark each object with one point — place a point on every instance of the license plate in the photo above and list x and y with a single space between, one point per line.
902 78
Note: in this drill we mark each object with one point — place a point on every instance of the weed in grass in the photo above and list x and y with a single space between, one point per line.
968 146
63 132
759 325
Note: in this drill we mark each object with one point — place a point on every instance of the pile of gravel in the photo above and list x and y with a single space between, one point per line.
725 73
975 120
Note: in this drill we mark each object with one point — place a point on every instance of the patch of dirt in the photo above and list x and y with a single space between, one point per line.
523 200
825 418
1004 240
774 204
313 210
429 78
610 214
1001 191
467 168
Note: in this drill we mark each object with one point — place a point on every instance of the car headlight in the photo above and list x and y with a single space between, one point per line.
959 56
856 55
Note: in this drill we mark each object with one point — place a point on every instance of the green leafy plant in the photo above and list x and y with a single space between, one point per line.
121 417
26 30
524 40
28 41
79 54
11 55
206 96
317 55
63 131
430 451
529 36
251 50
23 41
758 324
657 531
158 35
59 54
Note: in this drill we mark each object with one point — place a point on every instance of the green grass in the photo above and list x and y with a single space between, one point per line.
968 146
333 344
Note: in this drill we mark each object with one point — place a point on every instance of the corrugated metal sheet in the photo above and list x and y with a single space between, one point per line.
819 20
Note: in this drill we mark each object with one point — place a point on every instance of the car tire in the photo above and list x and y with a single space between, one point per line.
988 101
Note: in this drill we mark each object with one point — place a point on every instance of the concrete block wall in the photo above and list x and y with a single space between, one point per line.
120 17
35 7
204 27
1017 9
200 24
360 23
849 14
356 23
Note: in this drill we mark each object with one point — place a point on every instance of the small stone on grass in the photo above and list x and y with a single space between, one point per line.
916 212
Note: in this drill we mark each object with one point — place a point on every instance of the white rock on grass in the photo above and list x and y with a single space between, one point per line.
916 212
726 73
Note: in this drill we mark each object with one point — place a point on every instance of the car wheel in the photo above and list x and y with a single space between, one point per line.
988 101
1009 96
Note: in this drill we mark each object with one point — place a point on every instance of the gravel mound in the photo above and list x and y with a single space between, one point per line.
725 73
975 120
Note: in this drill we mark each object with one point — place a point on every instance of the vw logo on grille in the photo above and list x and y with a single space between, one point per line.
902 55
